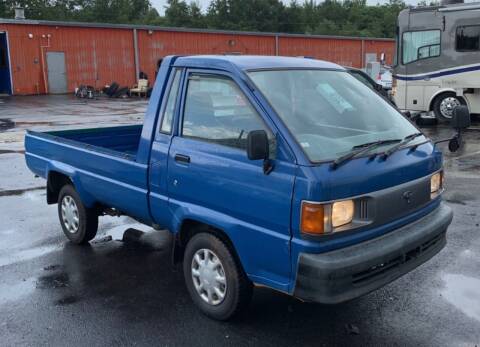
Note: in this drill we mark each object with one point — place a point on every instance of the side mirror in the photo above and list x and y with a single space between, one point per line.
460 121
461 117
258 148
257 145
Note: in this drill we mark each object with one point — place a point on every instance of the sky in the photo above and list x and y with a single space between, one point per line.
159 4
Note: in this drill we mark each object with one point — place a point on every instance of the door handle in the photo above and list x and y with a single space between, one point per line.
182 158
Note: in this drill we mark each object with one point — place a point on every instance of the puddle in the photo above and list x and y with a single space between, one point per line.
470 163
6 124
13 192
463 293
9 151
52 267
34 123
455 201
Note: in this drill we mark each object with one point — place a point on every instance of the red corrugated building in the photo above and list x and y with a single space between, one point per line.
53 57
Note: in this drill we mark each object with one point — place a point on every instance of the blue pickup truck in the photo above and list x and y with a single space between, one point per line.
281 172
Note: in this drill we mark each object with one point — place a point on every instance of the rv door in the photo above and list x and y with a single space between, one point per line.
421 44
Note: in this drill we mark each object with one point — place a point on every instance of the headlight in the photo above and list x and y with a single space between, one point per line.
342 212
318 219
436 184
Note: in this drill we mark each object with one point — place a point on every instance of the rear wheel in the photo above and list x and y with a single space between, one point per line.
79 223
444 104
216 282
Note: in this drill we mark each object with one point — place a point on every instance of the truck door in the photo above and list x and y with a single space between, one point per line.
159 154
210 177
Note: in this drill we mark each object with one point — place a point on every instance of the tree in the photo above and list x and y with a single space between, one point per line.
331 17
177 13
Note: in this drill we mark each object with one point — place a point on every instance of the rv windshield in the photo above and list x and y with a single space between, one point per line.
329 112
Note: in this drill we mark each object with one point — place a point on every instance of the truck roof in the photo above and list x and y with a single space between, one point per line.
252 62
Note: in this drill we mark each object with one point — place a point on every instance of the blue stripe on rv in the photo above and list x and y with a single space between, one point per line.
438 74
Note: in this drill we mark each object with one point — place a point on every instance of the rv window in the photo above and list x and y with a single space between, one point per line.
468 38
420 45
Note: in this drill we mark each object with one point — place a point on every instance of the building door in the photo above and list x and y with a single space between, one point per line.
57 75
5 78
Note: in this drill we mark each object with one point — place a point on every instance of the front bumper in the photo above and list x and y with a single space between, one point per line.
350 272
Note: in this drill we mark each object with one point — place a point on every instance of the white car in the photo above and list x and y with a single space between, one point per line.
385 78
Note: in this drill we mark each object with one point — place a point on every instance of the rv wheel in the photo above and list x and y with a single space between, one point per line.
444 105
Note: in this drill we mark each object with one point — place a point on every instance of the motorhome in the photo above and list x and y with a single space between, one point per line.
438 59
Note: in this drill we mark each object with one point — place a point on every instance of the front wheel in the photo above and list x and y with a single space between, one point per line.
444 105
79 223
216 282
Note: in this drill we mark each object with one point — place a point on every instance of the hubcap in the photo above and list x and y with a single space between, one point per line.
448 105
209 277
70 214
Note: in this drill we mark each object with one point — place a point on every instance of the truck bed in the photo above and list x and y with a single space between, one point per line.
123 139
102 162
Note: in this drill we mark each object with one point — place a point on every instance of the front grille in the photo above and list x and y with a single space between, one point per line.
378 270
363 214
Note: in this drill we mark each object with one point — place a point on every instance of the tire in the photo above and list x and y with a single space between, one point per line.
112 89
237 288
78 222
121 92
444 104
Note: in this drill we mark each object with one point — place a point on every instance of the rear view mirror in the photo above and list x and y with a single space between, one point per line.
257 145
461 117
258 148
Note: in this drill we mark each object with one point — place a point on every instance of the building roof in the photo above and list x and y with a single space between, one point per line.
252 62
171 29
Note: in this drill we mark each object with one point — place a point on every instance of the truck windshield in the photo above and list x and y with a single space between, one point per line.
329 111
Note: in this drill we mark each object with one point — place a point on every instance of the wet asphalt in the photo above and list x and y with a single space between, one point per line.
122 289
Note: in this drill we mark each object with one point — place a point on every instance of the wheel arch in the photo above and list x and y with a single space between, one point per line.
443 91
189 227
55 182
59 176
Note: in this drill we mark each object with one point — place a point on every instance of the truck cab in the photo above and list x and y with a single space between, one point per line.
282 172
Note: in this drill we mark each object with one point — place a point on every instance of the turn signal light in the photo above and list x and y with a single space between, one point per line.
312 218
319 218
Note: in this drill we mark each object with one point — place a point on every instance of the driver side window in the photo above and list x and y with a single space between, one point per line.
217 111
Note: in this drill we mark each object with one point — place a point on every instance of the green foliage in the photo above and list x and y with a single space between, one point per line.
330 17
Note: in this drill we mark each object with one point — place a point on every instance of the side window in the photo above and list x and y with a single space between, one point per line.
217 111
468 38
362 79
170 107
420 45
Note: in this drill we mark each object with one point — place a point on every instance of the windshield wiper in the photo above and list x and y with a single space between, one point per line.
405 140
359 149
